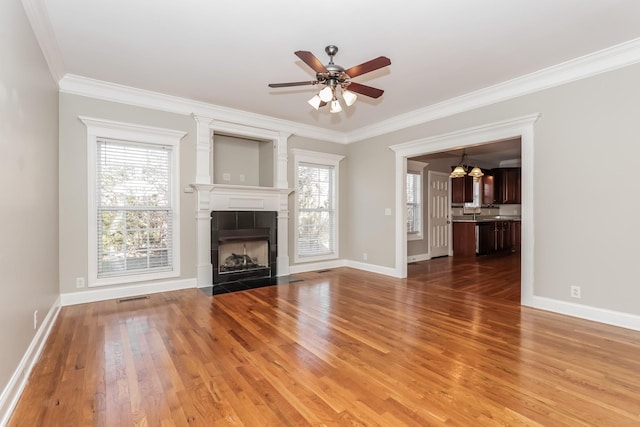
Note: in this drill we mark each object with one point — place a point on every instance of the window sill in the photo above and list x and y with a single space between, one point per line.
132 278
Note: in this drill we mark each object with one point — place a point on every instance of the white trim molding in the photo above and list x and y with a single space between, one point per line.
83 86
128 290
609 317
11 393
605 60
41 25
224 197
101 128
321 159
521 127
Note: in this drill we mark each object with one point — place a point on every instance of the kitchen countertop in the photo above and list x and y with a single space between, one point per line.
484 218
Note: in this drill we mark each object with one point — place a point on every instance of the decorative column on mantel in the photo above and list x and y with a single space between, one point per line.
221 197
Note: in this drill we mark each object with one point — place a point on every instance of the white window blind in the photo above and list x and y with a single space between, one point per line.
414 203
316 228
134 208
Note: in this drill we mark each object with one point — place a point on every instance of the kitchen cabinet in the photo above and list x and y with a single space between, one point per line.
507 185
485 238
487 186
462 189
464 239
497 236
515 235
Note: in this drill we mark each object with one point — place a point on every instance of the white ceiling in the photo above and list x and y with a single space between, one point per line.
225 53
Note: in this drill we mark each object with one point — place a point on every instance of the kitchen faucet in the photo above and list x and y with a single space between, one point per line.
475 213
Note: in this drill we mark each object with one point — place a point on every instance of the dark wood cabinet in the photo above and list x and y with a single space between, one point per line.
515 234
507 183
488 188
462 190
485 238
498 236
464 239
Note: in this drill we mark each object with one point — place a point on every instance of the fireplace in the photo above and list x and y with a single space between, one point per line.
243 245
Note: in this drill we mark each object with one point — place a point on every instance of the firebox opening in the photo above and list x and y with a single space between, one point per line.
235 257
244 246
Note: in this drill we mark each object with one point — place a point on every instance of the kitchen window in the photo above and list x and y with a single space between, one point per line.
134 233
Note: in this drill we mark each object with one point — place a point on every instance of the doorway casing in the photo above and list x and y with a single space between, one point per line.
521 127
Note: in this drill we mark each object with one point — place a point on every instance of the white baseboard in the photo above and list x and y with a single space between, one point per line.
315 266
113 292
15 386
373 268
601 315
419 257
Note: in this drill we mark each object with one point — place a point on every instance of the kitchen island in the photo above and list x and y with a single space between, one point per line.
475 235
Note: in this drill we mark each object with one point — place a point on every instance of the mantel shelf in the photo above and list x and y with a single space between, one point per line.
240 189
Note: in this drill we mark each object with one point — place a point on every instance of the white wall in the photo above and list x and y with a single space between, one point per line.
28 189
581 237
73 181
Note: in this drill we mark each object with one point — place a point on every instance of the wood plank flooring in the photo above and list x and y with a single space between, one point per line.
450 345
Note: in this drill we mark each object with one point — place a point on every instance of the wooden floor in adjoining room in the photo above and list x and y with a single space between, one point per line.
450 345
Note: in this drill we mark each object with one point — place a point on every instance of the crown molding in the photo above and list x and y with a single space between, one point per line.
83 86
41 26
609 59
599 62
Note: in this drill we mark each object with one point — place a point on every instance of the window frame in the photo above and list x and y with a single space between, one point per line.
134 133
323 160
416 168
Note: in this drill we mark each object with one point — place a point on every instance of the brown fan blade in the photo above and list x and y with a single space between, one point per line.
313 62
365 90
367 67
292 84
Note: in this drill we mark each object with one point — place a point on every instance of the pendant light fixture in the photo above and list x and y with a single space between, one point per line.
460 170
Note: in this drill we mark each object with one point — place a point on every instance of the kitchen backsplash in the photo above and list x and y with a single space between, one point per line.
495 210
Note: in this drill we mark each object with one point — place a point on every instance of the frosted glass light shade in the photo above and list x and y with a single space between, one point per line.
326 94
315 102
349 97
476 172
458 172
335 106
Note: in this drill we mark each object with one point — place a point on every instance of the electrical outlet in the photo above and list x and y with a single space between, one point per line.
364 256
226 176
35 320
79 282
576 292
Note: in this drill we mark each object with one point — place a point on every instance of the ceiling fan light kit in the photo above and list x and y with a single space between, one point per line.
333 76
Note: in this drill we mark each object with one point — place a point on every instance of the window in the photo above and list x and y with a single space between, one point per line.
414 203
316 236
134 234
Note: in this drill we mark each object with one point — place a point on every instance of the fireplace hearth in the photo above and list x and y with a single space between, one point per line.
243 245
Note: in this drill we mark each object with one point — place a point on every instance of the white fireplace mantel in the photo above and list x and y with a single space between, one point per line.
224 197
220 197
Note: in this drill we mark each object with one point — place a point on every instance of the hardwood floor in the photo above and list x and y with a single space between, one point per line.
450 345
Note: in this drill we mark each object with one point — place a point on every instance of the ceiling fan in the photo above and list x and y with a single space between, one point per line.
333 76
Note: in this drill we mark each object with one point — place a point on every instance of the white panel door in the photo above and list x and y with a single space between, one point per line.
438 218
